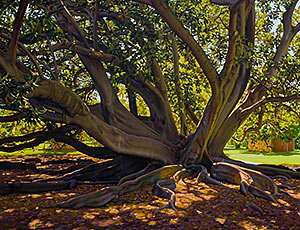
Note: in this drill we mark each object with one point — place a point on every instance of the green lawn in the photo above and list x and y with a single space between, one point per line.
35 152
287 158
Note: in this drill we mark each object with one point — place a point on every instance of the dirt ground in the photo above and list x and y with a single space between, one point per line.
199 206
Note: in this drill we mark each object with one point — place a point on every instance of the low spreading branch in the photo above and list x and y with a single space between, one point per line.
14 117
268 100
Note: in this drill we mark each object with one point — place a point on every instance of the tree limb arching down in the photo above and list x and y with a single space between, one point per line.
66 68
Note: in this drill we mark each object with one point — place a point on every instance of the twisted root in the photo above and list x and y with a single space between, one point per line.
165 189
249 180
102 197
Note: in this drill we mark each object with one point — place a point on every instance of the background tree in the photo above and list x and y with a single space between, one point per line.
64 63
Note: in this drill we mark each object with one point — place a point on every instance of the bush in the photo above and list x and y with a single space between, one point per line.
297 143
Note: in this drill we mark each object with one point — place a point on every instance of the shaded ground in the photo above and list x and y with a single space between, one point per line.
199 207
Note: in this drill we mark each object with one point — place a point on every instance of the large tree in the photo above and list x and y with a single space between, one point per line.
86 68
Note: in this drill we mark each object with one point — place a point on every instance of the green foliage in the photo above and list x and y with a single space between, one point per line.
12 92
137 35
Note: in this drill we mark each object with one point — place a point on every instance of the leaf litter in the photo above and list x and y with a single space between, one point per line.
199 206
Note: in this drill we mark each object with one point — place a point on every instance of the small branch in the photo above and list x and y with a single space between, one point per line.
69 25
288 35
252 129
231 3
267 100
54 60
95 54
86 52
148 2
28 53
47 67
292 110
95 28
27 137
32 139
15 117
191 114
12 47
161 84
132 102
295 30
222 2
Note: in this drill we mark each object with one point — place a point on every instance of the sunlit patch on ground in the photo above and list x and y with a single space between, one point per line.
198 207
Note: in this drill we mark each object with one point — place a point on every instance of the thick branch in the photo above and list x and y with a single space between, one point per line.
161 84
288 35
97 152
231 53
27 137
182 114
161 113
121 142
19 147
114 138
167 14
95 54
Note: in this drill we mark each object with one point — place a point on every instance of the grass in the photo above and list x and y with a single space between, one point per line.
286 158
276 158
35 152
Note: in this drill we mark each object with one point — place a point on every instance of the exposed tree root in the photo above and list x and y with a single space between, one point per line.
85 171
92 172
165 189
204 177
260 193
33 159
18 187
269 170
163 178
284 186
102 197
17 165
279 177
66 170
181 174
135 175
254 207
66 161
249 180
